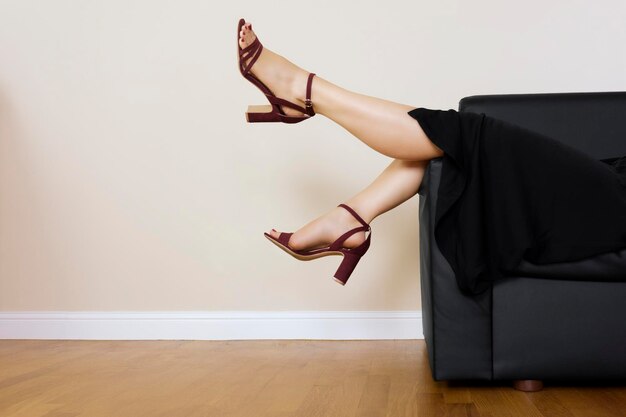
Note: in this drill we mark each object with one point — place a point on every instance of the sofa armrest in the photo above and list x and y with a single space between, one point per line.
457 327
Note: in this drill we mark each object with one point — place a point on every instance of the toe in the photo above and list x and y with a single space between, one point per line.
274 233
249 36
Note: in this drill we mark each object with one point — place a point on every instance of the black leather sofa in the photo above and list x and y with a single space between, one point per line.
560 321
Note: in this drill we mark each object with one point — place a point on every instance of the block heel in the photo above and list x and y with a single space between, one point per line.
261 114
266 114
346 268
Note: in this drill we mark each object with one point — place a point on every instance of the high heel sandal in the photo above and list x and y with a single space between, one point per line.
351 257
273 112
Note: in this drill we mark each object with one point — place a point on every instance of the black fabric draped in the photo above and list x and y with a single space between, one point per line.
508 193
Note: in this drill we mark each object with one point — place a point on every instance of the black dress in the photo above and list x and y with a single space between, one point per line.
508 193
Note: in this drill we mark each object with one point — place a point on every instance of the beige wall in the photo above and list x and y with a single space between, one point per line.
129 179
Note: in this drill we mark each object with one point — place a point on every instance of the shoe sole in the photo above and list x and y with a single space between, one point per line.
306 257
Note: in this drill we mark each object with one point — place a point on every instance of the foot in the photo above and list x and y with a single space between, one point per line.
285 79
324 230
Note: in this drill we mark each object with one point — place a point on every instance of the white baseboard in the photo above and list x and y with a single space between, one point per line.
218 325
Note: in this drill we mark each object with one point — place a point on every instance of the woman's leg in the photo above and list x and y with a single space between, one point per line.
396 184
383 125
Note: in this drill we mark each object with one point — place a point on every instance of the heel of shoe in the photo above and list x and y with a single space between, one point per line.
260 114
346 267
263 113
262 117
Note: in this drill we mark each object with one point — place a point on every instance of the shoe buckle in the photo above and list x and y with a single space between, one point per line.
308 104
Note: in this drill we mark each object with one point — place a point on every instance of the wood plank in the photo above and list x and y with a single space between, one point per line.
290 378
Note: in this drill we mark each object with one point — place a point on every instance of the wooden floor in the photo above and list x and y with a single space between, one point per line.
263 378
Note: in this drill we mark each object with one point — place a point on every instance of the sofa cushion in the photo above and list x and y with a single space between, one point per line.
551 329
609 266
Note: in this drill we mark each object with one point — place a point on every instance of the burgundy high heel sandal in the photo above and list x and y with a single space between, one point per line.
351 257
272 112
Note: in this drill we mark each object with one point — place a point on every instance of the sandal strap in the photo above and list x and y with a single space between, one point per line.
254 50
338 244
251 46
308 109
356 216
307 102
283 102
284 238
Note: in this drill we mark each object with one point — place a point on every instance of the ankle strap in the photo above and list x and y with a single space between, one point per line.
356 216
308 105
338 244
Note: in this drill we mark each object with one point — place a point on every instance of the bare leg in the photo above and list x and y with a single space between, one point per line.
396 184
382 125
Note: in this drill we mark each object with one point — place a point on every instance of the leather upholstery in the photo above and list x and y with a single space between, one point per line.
591 122
545 321
457 328
552 329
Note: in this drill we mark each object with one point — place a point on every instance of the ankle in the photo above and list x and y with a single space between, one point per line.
298 84
344 218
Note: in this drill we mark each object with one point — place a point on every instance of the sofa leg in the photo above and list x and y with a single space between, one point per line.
528 385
